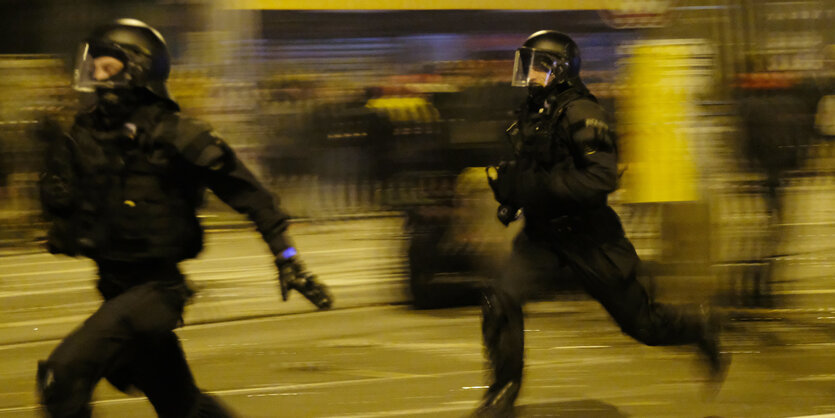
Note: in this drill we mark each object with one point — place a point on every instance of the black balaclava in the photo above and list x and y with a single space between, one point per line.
115 106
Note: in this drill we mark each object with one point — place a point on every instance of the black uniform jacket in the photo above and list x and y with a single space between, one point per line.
132 190
568 167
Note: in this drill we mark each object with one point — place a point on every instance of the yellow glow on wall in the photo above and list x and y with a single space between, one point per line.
654 139
418 4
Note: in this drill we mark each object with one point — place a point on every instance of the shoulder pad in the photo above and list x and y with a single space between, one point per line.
589 127
593 123
196 142
585 108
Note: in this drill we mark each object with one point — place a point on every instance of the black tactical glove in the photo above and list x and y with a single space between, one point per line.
504 190
293 275
57 178
502 179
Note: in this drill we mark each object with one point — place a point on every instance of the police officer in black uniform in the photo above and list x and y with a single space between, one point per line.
122 188
565 166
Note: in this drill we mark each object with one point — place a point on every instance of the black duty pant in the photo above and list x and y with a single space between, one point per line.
129 341
606 271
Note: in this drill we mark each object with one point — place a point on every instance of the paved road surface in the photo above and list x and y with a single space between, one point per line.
373 356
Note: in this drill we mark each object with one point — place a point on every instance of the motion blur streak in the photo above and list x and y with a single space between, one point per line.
375 127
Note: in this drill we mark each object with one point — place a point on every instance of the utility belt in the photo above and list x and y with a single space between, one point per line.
116 277
599 225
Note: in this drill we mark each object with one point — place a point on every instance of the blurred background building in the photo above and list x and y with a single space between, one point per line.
724 108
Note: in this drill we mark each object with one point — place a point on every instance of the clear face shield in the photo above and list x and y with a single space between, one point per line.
98 67
533 68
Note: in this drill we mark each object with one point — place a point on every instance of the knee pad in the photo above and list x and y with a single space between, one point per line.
62 393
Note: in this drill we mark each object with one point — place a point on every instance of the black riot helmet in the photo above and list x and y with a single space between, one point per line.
139 47
547 58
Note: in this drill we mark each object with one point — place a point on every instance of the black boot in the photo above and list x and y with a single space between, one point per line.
710 348
498 401
502 330
314 290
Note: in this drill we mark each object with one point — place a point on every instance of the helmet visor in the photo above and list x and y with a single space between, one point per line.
97 67
533 68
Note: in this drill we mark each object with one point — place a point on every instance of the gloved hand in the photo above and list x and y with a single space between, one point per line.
502 179
293 275
57 180
504 184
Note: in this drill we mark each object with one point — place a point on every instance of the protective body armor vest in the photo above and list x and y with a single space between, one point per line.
539 134
545 137
137 198
540 137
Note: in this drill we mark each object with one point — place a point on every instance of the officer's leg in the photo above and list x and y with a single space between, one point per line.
66 380
502 331
161 372
609 275
502 322
155 363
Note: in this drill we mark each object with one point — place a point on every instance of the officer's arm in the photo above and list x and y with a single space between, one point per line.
233 183
58 188
593 173
236 186
57 178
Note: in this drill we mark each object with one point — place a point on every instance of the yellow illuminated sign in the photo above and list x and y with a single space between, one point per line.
656 123
420 4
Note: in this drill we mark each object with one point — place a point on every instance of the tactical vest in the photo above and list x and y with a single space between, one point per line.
540 134
137 198
538 126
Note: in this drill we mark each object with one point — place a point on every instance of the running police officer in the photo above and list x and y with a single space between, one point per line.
122 188
564 168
